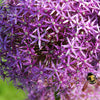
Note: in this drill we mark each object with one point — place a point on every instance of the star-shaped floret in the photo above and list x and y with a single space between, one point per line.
39 37
70 46
3 43
15 15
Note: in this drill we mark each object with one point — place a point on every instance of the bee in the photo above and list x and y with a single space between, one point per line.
91 79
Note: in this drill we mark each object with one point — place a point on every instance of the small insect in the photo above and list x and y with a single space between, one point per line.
91 79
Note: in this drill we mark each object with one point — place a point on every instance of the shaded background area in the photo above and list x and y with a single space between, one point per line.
7 89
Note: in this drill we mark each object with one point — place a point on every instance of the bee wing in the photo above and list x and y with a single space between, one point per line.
98 78
98 82
85 86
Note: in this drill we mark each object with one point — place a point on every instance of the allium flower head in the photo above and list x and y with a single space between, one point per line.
50 46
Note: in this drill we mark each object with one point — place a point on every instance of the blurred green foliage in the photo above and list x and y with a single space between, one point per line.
1 1
9 92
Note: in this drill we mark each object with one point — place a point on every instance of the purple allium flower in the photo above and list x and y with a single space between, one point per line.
50 46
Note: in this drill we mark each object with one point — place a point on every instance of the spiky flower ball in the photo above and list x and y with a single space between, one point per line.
50 45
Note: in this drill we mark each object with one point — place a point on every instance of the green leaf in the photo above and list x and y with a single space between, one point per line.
9 92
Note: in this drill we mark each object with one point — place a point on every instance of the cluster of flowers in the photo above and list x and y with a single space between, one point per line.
49 45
